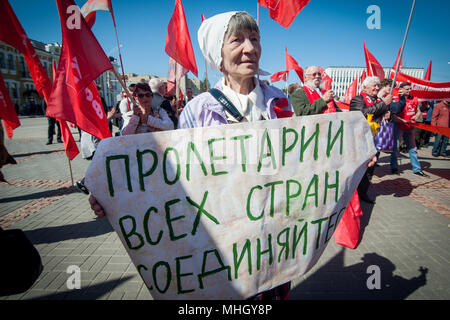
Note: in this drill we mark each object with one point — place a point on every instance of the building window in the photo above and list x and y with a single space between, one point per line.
14 94
11 64
2 60
23 70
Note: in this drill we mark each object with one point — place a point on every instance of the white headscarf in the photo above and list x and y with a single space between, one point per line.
210 37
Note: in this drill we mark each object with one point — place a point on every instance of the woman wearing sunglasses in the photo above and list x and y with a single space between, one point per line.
143 118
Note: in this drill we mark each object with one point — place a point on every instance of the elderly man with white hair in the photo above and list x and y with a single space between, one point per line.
312 98
368 102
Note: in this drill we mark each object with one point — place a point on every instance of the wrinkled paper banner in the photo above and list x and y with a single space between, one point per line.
229 211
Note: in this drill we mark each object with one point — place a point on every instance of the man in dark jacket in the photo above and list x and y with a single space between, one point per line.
369 103
404 116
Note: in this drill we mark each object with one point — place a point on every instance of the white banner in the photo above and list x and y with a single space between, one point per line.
226 212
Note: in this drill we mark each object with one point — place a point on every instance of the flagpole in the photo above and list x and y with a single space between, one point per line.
70 168
124 87
120 56
206 75
177 88
403 46
257 13
286 87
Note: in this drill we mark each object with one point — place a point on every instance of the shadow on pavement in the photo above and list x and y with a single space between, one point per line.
441 172
334 281
89 293
42 194
69 232
399 187
21 155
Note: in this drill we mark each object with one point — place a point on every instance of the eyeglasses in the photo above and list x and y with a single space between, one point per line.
316 74
141 95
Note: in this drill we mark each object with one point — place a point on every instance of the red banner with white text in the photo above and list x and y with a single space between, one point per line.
426 90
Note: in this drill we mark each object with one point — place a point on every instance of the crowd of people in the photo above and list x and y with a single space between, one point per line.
230 43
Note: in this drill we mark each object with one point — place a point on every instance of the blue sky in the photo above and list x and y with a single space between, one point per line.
325 33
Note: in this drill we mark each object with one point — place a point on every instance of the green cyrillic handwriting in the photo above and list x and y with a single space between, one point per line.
270 154
177 175
284 245
319 231
147 234
180 275
201 210
292 146
290 196
296 239
237 262
192 148
213 158
142 175
330 143
127 235
242 145
259 253
109 175
168 276
331 186
272 195
314 182
169 220
249 213
205 273
304 145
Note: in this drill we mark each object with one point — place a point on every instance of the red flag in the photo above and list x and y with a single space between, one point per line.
426 90
178 41
343 105
69 143
176 72
11 32
279 76
326 79
363 77
351 91
75 97
7 111
88 10
284 11
348 230
428 73
374 68
291 64
392 73
203 17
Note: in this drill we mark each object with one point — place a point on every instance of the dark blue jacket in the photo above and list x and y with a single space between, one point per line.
397 107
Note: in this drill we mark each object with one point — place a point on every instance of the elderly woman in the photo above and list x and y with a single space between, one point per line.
143 118
230 42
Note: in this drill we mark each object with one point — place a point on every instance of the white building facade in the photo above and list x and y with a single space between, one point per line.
344 76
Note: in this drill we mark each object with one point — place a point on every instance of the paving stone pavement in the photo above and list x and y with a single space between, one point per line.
406 234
